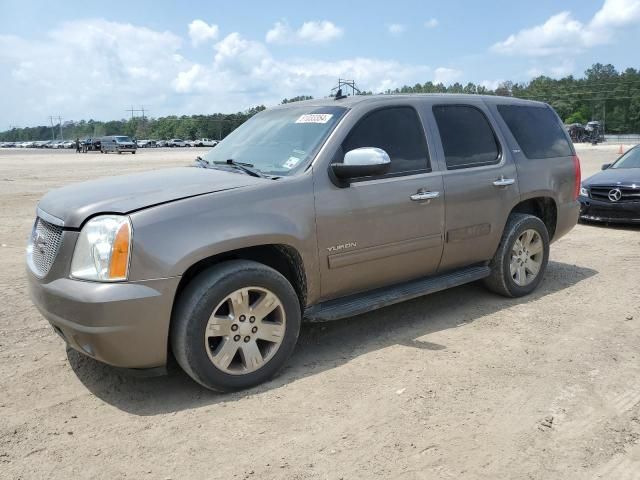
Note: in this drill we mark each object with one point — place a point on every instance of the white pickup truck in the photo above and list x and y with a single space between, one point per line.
203 142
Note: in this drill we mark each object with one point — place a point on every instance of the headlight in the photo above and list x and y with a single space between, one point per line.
584 192
103 248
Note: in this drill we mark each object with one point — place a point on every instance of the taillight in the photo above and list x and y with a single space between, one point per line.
578 180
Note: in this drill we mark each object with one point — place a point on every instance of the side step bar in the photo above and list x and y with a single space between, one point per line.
364 302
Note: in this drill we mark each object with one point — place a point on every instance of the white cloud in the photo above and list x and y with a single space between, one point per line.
200 32
396 29
83 69
491 84
562 34
431 23
89 60
446 75
557 69
317 32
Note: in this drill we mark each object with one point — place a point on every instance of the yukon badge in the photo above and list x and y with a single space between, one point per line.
343 246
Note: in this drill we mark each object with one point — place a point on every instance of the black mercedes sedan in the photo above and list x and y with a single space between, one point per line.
613 195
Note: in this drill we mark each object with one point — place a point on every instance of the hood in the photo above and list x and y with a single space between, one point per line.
123 194
615 176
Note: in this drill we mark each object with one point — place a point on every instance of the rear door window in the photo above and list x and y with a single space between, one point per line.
396 130
467 138
537 130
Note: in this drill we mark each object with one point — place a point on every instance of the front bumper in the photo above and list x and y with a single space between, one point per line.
599 211
121 324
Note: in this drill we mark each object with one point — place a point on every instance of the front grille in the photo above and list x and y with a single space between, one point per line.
628 194
44 245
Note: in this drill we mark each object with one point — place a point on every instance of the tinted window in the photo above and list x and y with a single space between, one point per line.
537 130
467 138
398 132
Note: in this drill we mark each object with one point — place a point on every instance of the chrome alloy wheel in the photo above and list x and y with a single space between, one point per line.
245 330
526 257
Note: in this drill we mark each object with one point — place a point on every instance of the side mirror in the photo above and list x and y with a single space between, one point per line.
361 162
605 166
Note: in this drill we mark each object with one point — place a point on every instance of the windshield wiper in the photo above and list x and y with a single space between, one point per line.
245 167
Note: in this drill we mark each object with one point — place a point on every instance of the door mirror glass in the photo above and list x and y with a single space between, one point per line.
362 162
605 166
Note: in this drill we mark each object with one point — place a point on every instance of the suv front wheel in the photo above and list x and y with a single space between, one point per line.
520 262
235 325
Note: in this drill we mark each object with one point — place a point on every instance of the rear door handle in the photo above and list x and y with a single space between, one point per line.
504 182
422 195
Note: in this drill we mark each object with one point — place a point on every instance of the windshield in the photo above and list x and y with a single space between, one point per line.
123 139
279 141
631 159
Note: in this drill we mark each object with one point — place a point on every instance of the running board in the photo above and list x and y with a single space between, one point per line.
359 303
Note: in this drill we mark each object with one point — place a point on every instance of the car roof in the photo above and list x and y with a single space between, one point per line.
354 100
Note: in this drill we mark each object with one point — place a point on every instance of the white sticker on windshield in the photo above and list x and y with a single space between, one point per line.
314 118
291 162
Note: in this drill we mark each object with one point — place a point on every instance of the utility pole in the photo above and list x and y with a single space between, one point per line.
59 119
53 132
348 84
136 110
131 110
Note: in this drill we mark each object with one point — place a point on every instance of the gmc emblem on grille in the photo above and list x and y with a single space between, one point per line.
39 242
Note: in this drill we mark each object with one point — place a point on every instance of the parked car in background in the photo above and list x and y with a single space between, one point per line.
117 144
321 210
613 195
162 143
177 142
203 142
68 144
146 143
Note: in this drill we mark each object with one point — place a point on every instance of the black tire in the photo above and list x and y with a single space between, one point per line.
133 152
196 304
501 281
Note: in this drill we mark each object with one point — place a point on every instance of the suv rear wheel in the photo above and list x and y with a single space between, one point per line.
235 325
518 265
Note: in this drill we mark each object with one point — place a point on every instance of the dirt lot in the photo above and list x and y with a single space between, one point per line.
460 384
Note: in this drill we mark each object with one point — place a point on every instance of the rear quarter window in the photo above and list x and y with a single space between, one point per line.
537 130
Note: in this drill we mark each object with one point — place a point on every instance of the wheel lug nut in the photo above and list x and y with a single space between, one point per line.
234 327
254 329
252 319
242 318
237 338
246 339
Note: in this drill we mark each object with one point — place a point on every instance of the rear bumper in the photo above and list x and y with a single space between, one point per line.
567 218
121 324
599 211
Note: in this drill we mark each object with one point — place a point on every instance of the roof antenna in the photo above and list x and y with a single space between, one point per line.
339 95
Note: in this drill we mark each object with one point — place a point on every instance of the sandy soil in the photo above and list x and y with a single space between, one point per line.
460 384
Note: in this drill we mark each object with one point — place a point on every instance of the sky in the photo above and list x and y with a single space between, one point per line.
95 59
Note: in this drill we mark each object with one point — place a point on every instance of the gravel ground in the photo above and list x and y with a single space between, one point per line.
459 384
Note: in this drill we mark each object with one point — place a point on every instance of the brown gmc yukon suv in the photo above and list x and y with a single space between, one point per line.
316 210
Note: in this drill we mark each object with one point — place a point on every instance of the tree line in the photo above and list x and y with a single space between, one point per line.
603 94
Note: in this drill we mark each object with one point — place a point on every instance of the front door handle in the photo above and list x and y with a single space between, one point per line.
504 182
422 195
